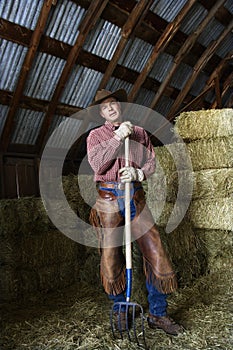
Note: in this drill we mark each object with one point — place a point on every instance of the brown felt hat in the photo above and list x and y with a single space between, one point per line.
120 95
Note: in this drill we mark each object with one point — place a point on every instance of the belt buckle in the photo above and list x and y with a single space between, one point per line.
121 186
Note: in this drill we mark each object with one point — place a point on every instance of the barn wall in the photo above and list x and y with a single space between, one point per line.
19 177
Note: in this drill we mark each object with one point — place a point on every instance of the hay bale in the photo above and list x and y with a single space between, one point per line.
80 194
219 248
208 183
213 153
8 283
201 124
216 213
186 251
203 213
171 157
49 248
23 215
10 251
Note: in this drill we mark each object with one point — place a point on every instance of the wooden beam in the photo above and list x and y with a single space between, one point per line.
145 32
34 43
37 105
184 50
94 11
226 85
196 99
196 70
134 20
2 180
161 44
217 92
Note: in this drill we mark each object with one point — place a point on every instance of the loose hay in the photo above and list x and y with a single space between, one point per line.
204 124
78 318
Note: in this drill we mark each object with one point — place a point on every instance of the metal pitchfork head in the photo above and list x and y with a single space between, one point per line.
127 325
124 320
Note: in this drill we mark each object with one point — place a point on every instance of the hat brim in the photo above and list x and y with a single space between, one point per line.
120 96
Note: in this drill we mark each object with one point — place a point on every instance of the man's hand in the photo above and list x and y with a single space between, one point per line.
129 174
124 130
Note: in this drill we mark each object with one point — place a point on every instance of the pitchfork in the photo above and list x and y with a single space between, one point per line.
128 306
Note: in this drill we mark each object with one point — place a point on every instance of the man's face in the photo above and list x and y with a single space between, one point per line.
110 110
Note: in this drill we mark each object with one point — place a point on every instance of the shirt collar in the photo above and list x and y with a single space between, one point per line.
110 125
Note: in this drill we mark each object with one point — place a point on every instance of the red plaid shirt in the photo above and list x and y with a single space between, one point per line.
106 152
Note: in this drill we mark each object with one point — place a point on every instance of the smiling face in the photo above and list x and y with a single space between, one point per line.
110 110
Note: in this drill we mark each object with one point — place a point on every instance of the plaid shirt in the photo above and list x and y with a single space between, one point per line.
106 152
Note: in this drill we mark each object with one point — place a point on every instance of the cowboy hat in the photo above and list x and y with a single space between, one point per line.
120 95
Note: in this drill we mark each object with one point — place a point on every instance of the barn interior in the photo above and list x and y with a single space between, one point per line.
174 58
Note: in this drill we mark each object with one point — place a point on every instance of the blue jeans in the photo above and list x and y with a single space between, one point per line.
157 301
121 201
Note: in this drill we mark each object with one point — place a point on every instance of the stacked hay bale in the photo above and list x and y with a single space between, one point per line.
34 255
203 239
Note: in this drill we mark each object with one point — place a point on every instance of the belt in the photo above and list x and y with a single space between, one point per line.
118 185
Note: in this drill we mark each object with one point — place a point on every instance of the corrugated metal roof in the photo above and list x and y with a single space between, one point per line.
21 12
81 86
136 54
27 126
145 97
229 5
167 9
181 76
65 133
64 21
164 104
45 68
11 60
56 121
211 32
3 113
161 66
199 84
226 46
63 24
103 39
115 84
193 18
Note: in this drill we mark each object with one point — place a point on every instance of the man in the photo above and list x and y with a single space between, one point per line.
105 148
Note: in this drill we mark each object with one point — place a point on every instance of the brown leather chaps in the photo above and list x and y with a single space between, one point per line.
109 223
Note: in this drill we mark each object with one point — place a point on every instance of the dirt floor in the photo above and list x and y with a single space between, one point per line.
78 318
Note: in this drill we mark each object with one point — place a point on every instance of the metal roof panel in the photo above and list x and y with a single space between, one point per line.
22 12
11 60
27 126
64 21
167 9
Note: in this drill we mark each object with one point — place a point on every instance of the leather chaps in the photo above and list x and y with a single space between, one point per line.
109 224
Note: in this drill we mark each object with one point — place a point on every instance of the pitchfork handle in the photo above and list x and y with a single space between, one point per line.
128 253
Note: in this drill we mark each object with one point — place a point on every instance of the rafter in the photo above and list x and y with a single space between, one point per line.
134 20
161 44
226 85
184 50
34 43
197 68
94 11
